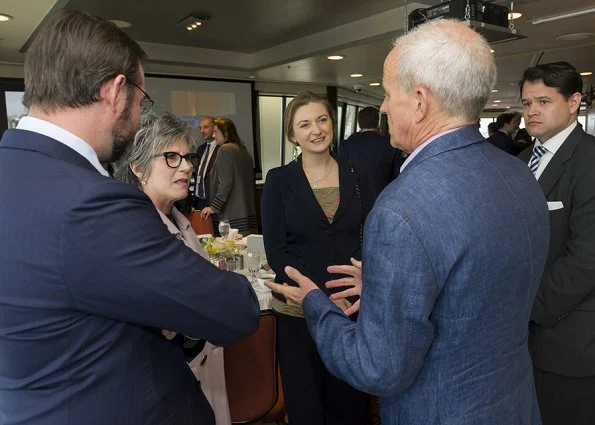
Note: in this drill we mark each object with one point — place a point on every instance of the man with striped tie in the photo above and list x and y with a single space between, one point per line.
562 335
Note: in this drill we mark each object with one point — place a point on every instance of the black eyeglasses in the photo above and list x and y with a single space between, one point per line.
174 159
146 103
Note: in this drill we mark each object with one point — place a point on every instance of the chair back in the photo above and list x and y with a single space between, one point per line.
252 375
201 226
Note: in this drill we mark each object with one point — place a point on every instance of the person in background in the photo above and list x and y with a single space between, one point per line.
492 128
449 271
207 152
507 124
232 181
160 162
89 280
313 210
376 160
561 332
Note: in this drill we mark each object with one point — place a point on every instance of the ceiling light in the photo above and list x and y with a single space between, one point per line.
585 74
121 24
335 57
495 104
514 15
497 101
492 51
495 91
192 22
4 17
563 16
579 36
374 84
356 75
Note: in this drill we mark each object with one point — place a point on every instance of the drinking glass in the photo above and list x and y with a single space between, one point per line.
253 261
224 229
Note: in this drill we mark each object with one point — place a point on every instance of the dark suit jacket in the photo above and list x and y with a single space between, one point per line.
88 277
502 141
376 160
296 231
190 201
562 331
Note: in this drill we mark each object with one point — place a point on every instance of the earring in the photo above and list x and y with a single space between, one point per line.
333 147
296 152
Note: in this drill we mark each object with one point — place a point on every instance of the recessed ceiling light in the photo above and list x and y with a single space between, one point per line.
579 36
356 75
4 17
335 57
495 104
492 51
495 91
584 74
497 101
374 84
514 15
192 22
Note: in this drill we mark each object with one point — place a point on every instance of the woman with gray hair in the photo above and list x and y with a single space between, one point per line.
160 161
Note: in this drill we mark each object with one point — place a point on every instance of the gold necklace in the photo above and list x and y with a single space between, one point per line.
314 183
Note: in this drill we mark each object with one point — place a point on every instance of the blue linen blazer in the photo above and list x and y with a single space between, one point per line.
88 277
453 253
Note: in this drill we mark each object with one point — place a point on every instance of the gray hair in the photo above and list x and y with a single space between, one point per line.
452 61
156 134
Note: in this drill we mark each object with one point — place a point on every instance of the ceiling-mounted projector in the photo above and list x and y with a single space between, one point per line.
488 19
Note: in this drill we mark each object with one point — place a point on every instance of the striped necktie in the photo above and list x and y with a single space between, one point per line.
538 152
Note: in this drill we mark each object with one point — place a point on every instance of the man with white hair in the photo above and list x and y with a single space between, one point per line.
449 271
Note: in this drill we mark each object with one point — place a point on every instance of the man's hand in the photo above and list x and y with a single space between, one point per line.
169 335
206 212
355 281
294 295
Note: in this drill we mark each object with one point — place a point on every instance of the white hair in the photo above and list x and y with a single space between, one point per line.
452 61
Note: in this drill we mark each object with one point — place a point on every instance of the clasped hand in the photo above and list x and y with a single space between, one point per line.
295 294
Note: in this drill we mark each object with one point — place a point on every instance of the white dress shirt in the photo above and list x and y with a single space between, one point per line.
552 146
65 137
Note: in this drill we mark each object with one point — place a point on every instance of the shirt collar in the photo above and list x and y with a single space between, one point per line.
63 136
553 144
423 145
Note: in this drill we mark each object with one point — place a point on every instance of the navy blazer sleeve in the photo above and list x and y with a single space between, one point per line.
142 274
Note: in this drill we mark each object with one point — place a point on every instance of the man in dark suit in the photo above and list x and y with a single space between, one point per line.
506 124
207 152
90 277
562 331
374 158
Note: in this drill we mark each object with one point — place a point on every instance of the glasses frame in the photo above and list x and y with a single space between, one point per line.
146 103
180 157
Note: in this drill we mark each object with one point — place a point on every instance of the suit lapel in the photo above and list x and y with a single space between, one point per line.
299 185
555 168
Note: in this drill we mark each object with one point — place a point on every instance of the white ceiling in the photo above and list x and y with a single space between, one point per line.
288 40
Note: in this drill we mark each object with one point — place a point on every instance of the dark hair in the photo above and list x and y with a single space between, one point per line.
301 99
492 128
71 58
228 128
560 75
368 117
504 119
